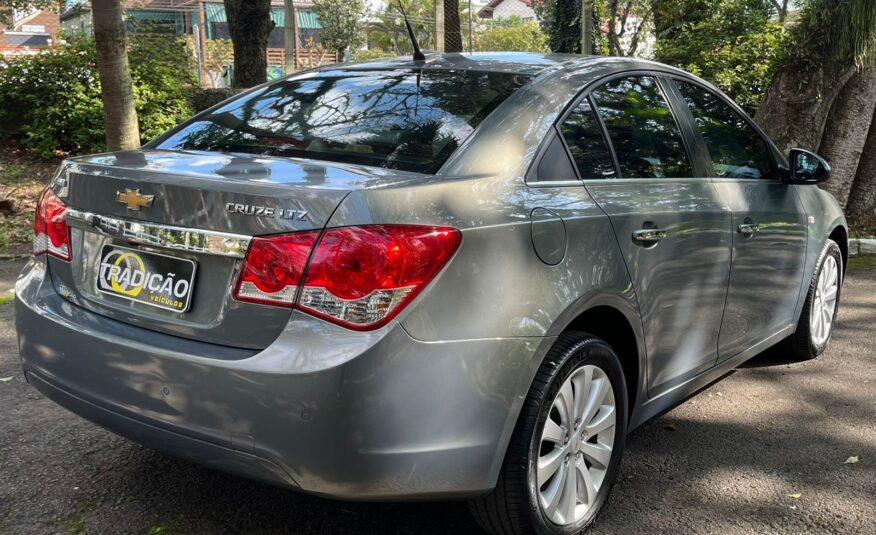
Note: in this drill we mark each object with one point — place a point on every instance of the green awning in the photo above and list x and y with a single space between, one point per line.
307 19
215 12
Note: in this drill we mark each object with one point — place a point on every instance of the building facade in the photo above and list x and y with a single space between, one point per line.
503 9
31 30
206 20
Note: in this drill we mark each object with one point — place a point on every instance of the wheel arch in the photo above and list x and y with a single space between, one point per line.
841 236
613 326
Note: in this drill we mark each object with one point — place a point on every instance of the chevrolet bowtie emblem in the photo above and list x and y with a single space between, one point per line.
133 199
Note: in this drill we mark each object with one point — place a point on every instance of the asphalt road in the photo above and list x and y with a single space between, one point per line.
724 462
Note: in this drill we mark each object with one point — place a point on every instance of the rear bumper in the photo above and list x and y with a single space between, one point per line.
323 409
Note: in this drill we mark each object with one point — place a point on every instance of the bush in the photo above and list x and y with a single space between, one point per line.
512 34
370 54
52 100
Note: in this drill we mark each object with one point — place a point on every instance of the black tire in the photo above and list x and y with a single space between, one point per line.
512 508
800 344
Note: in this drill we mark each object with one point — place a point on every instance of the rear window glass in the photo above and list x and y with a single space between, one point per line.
409 120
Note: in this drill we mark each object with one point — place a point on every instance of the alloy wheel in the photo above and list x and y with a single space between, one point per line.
823 307
576 445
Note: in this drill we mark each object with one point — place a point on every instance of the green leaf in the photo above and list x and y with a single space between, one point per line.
6 379
851 460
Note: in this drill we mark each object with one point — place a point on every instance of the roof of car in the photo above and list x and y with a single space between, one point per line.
518 62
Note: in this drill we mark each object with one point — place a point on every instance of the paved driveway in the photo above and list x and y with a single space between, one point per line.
724 462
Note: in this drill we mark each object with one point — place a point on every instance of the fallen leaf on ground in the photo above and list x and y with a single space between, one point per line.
670 427
6 379
796 495
851 460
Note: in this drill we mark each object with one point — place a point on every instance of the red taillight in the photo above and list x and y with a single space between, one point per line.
359 277
50 231
273 268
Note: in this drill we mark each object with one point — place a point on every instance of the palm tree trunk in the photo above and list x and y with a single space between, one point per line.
117 92
796 105
846 132
250 24
452 28
862 200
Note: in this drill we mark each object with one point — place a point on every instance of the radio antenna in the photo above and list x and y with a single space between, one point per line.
418 54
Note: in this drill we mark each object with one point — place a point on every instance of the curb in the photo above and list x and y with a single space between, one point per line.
862 246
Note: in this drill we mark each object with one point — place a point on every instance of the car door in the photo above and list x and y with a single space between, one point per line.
769 223
668 220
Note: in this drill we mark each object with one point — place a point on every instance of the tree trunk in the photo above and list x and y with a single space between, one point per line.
439 25
250 24
862 200
587 27
452 29
846 131
794 109
117 93
289 37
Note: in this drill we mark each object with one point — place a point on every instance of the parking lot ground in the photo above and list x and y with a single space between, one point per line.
764 451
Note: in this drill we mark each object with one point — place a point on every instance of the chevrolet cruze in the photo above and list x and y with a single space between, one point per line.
464 277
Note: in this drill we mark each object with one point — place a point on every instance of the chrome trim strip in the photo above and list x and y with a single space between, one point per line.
164 236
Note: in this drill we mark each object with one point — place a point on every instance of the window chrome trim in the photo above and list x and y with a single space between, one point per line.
163 236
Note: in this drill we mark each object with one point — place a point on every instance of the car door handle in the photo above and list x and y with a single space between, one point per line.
747 229
649 235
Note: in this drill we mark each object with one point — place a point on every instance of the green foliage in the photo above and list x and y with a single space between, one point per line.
844 29
370 54
163 74
53 102
340 23
389 32
514 35
734 44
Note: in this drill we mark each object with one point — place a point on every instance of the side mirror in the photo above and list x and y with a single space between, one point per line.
807 168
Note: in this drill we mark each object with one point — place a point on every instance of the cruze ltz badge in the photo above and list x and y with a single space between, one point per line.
153 279
265 211
133 200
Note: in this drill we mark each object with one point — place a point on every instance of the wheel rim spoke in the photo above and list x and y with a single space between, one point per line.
587 485
597 454
548 464
830 295
603 420
567 401
570 493
554 492
553 432
583 382
597 396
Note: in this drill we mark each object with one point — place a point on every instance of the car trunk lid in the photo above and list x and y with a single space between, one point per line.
189 216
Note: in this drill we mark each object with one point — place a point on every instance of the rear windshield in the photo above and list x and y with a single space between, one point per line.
410 120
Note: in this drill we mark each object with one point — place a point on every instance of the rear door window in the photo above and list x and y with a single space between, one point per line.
642 129
584 137
401 119
735 147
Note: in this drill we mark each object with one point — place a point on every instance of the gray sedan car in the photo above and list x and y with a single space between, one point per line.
464 277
